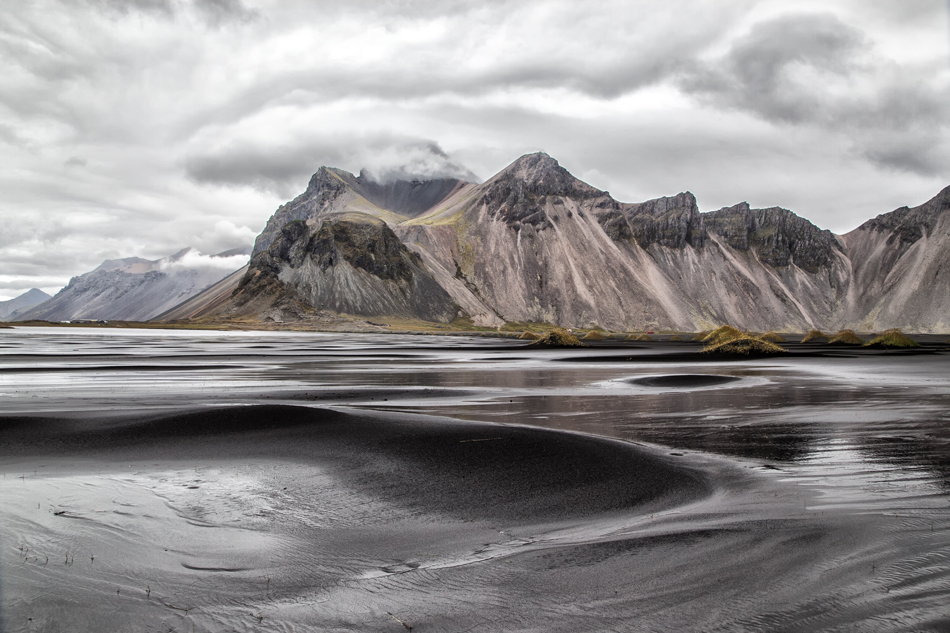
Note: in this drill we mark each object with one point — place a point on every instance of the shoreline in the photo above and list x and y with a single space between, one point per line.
434 329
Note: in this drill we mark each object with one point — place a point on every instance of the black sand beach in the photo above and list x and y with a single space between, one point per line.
347 483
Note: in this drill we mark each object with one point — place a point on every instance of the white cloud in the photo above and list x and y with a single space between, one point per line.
195 260
139 128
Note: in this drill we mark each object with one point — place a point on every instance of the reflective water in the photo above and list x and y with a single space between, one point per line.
857 446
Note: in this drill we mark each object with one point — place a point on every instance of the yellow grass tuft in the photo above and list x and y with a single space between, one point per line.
640 337
891 339
744 345
676 339
593 335
558 338
722 334
846 337
529 336
814 335
772 337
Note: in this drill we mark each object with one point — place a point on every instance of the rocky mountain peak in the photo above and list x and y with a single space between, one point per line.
30 298
544 176
322 178
909 224
517 194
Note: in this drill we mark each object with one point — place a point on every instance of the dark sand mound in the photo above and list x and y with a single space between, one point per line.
684 380
468 470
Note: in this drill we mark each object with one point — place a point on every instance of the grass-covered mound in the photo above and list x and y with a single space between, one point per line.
676 338
744 345
814 335
529 336
891 339
593 335
846 337
772 337
723 334
558 338
641 337
701 336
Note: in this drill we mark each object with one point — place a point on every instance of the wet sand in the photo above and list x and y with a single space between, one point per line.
133 512
320 483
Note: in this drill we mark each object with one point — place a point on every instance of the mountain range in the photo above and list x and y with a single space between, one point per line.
133 288
535 244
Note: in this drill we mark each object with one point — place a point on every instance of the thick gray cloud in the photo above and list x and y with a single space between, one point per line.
140 127
813 69
285 170
214 12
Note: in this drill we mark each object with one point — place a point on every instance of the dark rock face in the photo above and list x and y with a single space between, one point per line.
909 225
372 248
674 222
352 264
517 195
777 235
324 188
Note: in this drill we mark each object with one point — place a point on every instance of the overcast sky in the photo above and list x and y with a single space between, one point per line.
138 128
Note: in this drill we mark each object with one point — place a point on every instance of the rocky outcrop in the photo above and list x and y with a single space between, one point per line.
334 191
674 222
351 264
778 236
909 225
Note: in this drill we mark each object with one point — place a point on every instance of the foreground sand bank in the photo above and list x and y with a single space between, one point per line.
178 518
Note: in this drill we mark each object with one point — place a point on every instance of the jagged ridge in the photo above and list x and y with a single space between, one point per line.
534 243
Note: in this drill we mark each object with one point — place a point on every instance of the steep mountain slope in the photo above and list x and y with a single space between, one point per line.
334 191
25 301
208 299
349 263
534 243
133 288
333 248
901 263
